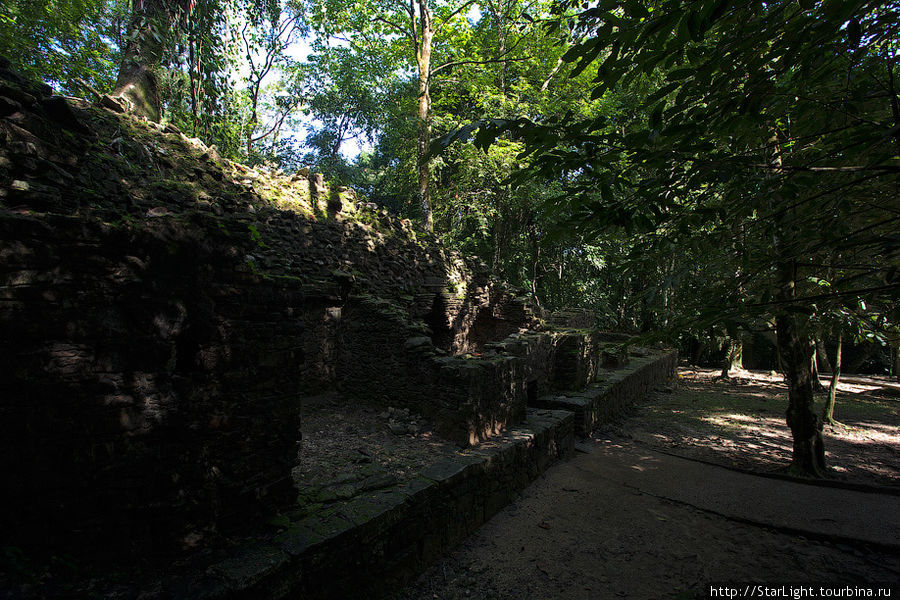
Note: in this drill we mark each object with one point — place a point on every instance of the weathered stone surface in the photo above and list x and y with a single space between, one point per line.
397 533
445 473
417 342
250 565
608 400
312 532
165 311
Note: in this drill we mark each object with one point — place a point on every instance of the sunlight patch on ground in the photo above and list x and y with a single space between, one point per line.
740 422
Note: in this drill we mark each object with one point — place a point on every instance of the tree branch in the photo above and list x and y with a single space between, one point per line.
396 26
412 27
289 109
559 62
456 63
831 296
853 169
449 18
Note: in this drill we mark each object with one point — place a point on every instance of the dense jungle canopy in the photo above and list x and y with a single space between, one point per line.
700 171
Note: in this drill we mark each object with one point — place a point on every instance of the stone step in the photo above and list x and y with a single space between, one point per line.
607 400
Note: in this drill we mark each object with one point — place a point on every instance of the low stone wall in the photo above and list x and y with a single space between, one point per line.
386 359
564 359
373 544
577 360
468 398
615 390
376 543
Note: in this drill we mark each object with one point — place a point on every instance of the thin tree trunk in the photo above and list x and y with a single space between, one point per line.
814 369
194 73
822 357
535 262
734 351
423 61
828 412
895 363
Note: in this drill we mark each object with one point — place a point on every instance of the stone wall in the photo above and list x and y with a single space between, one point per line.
373 544
150 384
385 359
616 390
163 312
564 359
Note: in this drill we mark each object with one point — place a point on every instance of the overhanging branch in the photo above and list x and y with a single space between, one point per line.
853 169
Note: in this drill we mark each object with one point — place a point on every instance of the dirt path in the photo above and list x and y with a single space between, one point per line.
577 534
604 525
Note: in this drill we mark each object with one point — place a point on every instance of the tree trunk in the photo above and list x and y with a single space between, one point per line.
734 351
795 358
137 82
814 369
828 412
896 361
535 262
808 457
423 61
824 365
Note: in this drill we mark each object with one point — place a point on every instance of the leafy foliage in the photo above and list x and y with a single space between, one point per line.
761 123
63 40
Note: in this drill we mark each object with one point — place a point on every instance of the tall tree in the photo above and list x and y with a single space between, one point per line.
266 35
347 100
418 32
149 31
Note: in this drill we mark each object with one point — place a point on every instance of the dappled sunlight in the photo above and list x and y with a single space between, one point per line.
721 421
645 463
868 440
740 422
889 430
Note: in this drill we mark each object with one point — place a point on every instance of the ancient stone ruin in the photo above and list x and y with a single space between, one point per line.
164 313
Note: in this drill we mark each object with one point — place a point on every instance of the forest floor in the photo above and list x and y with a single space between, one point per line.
646 513
350 447
740 422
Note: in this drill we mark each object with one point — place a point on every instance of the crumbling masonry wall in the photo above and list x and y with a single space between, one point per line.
164 311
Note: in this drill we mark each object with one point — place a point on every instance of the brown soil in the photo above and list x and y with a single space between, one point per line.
349 447
740 422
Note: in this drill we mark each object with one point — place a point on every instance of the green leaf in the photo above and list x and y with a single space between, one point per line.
589 54
662 92
636 9
656 117
680 74
696 26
